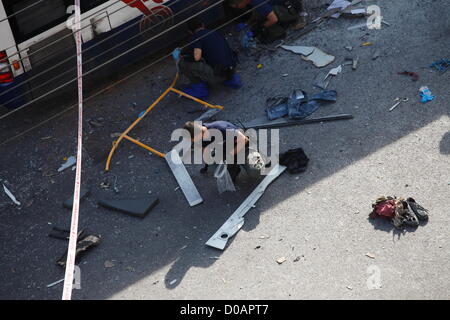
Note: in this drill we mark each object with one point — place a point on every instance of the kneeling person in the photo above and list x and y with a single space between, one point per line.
274 16
201 133
211 62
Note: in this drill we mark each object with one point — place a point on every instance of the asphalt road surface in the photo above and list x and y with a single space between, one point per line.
317 220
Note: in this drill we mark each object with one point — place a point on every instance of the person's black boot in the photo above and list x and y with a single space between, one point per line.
234 171
204 169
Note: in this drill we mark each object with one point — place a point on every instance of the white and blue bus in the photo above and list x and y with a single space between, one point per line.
37 47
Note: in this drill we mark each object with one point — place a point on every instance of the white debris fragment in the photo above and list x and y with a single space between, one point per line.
54 283
306 51
319 58
70 162
342 4
173 282
281 260
10 195
109 264
335 71
370 255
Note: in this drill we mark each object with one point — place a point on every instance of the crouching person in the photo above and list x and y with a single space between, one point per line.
211 61
239 151
273 17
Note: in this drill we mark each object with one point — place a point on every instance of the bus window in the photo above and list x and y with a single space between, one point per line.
37 19
88 5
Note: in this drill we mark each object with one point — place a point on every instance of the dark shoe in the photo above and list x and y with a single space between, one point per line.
197 90
234 172
410 218
419 211
235 82
299 24
204 169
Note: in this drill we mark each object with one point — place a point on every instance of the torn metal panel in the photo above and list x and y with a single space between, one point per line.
341 4
306 51
220 239
319 58
313 54
183 178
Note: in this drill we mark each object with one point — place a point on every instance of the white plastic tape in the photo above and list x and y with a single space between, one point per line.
70 264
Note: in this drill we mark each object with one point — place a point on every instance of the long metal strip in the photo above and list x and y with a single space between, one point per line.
183 178
220 239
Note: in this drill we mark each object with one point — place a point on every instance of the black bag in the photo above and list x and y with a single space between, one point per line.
295 160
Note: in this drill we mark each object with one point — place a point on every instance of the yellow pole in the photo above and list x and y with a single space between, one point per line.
196 100
162 155
124 135
116 143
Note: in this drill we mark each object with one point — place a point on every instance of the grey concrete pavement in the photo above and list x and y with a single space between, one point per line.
317 220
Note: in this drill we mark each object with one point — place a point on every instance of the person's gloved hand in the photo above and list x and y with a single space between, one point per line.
426 95
176 54
241 26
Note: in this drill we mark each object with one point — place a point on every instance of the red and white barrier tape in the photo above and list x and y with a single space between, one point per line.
70 263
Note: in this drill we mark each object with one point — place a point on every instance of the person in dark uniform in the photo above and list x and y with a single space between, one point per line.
241 142
210 61
273 16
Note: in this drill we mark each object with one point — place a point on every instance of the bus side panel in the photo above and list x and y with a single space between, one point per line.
142 29
100 50
8 44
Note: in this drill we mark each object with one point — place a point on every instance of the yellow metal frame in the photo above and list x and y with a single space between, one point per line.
125 135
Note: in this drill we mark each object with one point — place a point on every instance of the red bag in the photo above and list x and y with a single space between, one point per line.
385 209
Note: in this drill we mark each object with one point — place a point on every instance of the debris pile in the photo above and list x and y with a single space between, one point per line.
297 106
400 211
